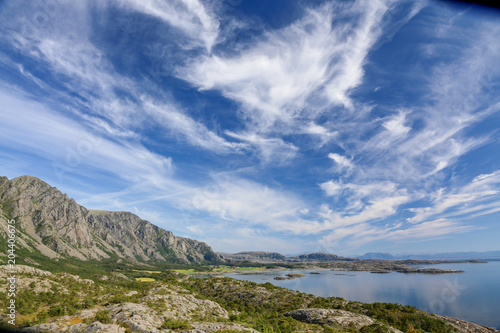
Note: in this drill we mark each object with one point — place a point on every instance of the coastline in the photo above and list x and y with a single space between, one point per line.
373 266
461 292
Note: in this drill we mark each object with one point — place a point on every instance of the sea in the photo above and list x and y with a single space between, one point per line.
473 296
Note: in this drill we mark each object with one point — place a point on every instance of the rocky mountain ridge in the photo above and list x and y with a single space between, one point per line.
51 223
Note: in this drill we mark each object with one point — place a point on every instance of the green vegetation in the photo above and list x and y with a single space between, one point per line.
259 306
145 279
103 317
224 268
176 325
262 307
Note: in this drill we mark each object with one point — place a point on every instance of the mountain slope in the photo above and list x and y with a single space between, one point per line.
50 222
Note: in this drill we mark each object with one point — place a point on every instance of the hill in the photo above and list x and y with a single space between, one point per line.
51 225
275 257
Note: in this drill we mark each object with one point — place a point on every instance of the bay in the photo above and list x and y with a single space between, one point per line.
472 296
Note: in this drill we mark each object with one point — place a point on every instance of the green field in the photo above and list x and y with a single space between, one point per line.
150 272
219 268
185 271
223 268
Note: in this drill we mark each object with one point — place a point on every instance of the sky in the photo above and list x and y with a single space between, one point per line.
292 126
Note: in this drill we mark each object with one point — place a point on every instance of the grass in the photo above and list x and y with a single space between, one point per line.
220 269
223 268
74 321
150 272
143 279
184 271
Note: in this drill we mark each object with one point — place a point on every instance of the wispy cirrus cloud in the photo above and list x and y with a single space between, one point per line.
270 150
86 71
311 64
482 189
192 17
70 147
410 149
274 79
339 126
364 233
243 202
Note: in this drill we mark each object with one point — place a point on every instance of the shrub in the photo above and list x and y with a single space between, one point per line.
103 317
56 311
176 325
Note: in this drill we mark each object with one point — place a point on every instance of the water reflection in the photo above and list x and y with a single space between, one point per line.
473 296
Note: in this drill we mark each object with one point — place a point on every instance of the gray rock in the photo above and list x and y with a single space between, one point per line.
48 327
463 326
215 327
140 318
77 328
331 316
179 304
98 327
57 226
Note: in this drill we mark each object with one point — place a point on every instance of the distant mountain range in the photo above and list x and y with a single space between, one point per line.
490 255
275 257
52 225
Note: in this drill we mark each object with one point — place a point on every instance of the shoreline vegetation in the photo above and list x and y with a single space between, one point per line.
373 266
139 299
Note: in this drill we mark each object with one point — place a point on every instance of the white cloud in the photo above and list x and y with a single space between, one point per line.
364 233
71 147
429 229
324 134
270 150
295 81
87 72
331 188
482 188
243 202
375 209
193 132
396 125
192 17
348 70
278 76
343 163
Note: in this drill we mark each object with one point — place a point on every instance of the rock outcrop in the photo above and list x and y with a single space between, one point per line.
151 312
331 317
55 225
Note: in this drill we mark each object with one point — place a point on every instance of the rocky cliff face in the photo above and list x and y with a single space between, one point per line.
56 225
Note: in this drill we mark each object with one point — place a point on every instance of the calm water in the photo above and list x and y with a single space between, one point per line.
473 296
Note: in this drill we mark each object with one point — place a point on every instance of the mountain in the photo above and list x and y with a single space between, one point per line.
490 255
319 257
54 225
254 256
275 257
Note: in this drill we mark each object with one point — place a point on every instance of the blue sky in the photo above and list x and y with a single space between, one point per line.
291 126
